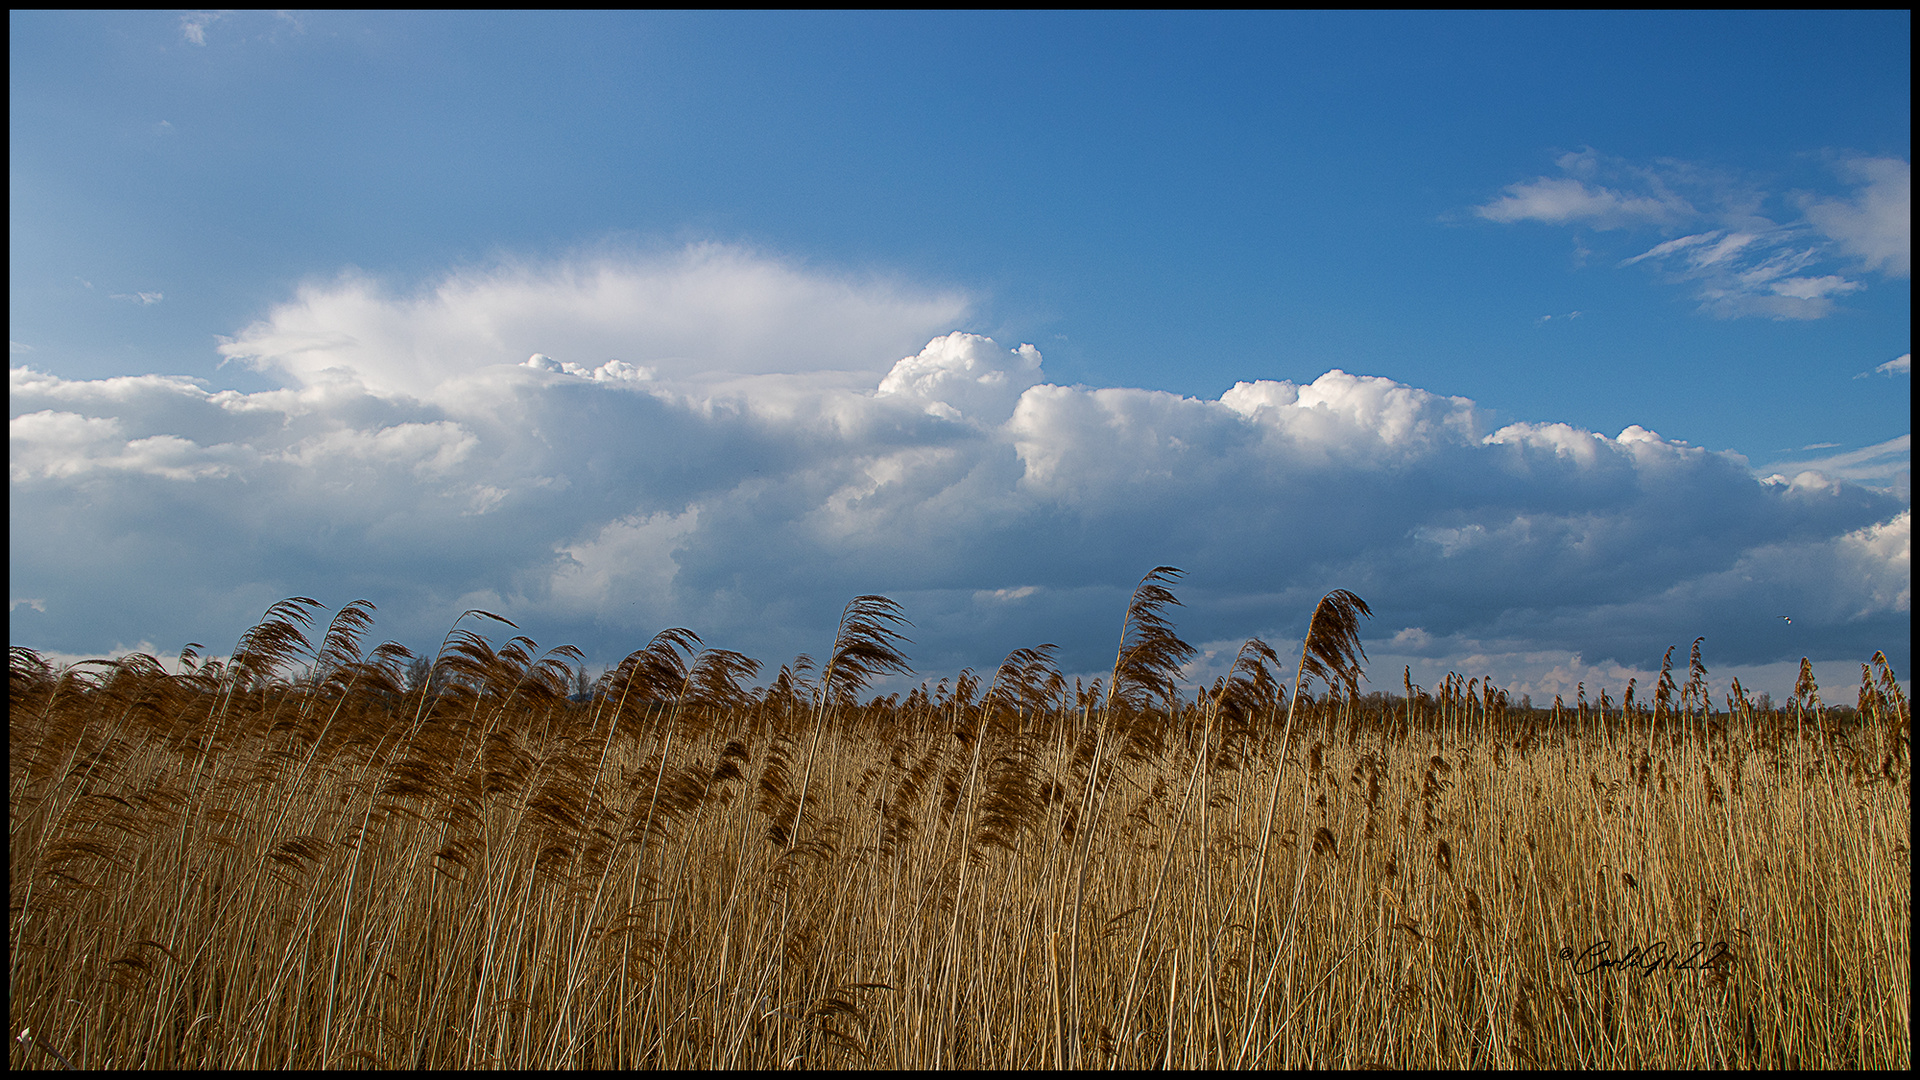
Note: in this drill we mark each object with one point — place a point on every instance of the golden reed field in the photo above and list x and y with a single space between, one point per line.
306 857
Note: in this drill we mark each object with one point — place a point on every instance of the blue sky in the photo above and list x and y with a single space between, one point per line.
276 280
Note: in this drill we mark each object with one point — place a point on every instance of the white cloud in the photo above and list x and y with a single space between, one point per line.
705 313
429 450
552 444
1561 200
1813 288
629 560
144 299
193 26
48 445
1887 465
1568 317
612 370
1876 224
1737 261
961 376
1899 365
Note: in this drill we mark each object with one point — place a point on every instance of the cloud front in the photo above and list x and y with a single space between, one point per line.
602 451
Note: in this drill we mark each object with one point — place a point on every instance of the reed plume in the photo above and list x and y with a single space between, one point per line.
864 648
1147 664
1331 653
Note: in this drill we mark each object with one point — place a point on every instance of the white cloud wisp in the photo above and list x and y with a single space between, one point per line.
1737 261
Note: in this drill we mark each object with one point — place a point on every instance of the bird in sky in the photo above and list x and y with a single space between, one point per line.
1789 619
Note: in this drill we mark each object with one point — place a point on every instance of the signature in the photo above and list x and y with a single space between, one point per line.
1647 959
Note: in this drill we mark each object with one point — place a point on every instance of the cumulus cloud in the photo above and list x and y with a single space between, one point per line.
503 442
964 375
1737 260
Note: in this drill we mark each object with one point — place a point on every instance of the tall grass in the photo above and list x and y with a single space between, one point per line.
233 867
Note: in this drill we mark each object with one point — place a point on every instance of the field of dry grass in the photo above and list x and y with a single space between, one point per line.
233 867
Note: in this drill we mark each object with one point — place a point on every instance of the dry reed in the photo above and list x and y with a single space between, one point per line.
233 866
